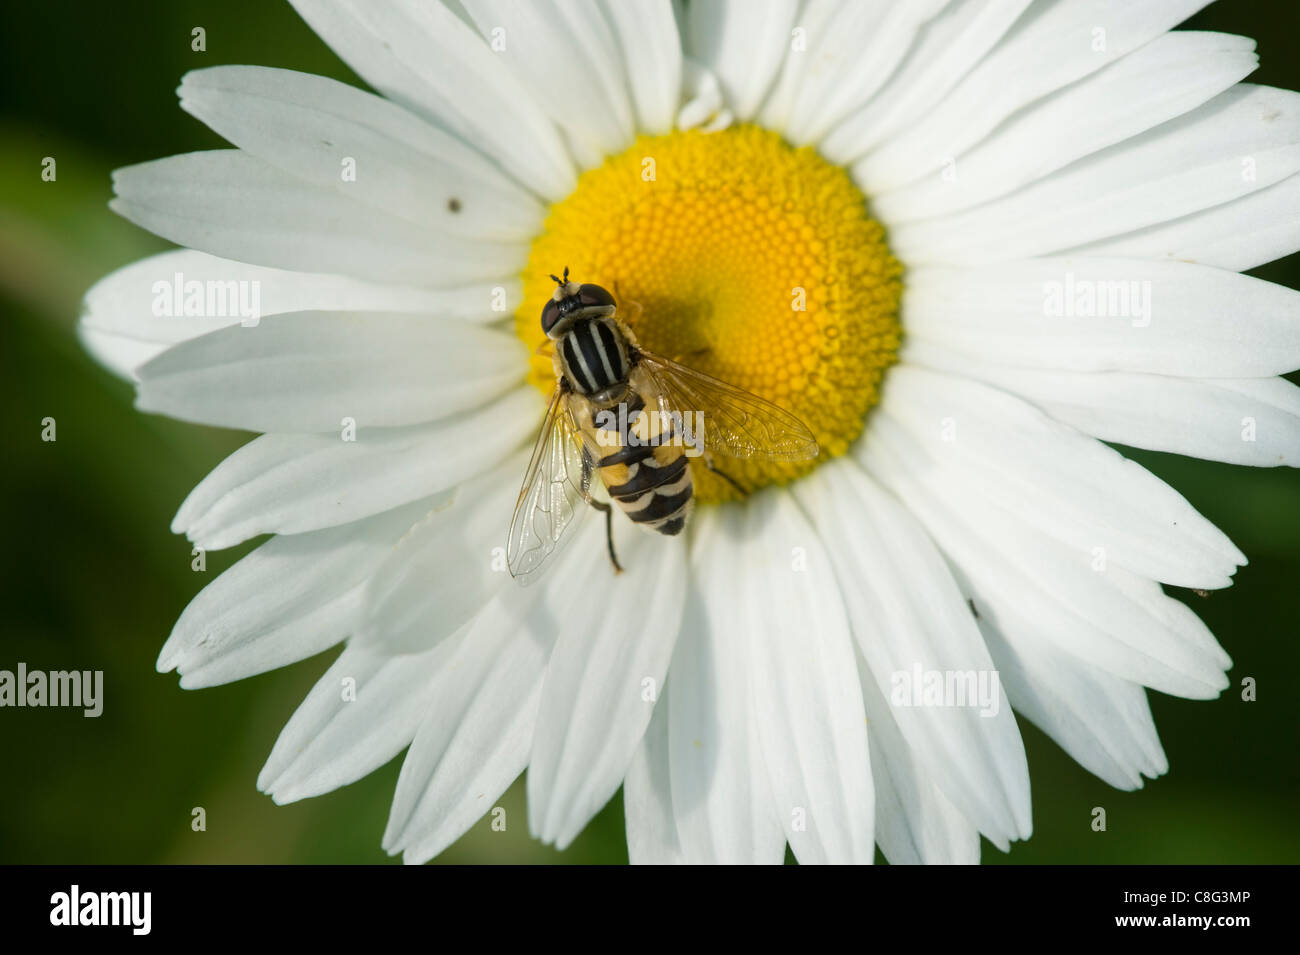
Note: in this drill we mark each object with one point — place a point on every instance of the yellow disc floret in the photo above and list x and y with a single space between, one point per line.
737 255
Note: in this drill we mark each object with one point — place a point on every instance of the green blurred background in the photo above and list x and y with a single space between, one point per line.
93 579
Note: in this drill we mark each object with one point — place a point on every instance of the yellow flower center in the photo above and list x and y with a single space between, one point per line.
751 261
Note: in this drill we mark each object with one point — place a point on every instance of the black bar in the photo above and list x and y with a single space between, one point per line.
917 906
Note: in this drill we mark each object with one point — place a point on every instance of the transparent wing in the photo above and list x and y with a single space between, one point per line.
553 498
731 421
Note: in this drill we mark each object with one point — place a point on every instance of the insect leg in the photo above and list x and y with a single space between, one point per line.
634 354
588 465
634 309
708 463
609 532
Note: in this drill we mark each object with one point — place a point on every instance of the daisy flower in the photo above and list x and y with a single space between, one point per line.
965 241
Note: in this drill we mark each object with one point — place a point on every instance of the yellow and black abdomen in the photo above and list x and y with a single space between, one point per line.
641 462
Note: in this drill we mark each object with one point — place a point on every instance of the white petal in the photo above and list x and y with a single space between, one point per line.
1049 47
861 47
444 570
602 682
1166 78
306 371
1014 570
120 354
705 107
1102 721
1239 235
1064 483
472 744
814 20
806 702
566 55
743 42
945 50
135 308
424 57
289 484
651 53
1173 614
357 717
915 822
906 612
1082 314
721 797
648 799
362 146
291 598
1251 421
476 737
1243 140
234 205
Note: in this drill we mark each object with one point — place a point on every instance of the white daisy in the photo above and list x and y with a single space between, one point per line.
1046 203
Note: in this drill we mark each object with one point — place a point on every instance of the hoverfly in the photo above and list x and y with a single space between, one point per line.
622 413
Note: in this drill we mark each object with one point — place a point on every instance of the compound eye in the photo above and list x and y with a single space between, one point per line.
550 315
594 295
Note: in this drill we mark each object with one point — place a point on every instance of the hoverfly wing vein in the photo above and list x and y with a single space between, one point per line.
552 488
736 423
